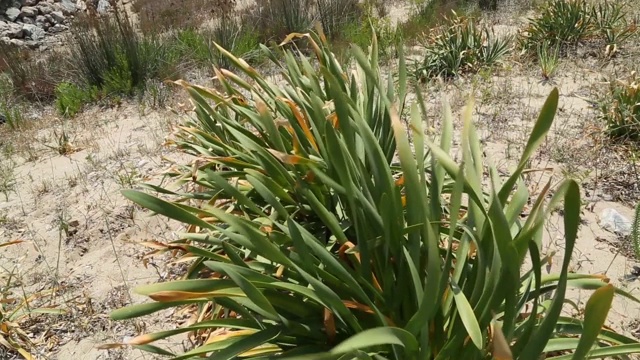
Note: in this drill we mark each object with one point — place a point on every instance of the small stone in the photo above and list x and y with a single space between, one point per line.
612 220
29 2
28 20
57 17
28 11
57 28
12 13
41 19
16 42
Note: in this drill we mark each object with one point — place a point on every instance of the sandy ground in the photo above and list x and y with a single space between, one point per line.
82 237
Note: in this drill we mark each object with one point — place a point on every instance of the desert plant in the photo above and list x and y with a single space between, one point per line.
109 54
7 178
335 15
70 99
311 242
561 23
611 24
460 45
635 232
275 19
33 78
14 310
547 60
620 108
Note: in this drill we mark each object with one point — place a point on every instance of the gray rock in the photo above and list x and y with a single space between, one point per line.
12 30
16 42
68 7
103 6
12 13
29 2
33 32
28 11
57 17
41 19
57 28
3 119
45 8
32 44
612 220
49 19
28 20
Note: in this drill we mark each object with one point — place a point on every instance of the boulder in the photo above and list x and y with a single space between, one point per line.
12 13
45 8
57 17
28 11
68 7
33 32
11 30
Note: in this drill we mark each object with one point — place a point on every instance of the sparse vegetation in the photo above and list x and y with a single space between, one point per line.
460 45
70 99
548 60
620 108
567 23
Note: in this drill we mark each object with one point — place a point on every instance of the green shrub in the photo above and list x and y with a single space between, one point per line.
560 23
547 59
460 45
620 108
361 32
70 99
566 23
310 241
109 54
612 25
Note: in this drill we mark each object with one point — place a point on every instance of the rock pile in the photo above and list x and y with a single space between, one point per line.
31 22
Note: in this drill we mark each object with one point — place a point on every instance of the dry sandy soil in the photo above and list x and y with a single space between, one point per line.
82 248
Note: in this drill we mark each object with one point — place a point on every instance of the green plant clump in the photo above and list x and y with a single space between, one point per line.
70 99
620 108
319 232
565 23
460 45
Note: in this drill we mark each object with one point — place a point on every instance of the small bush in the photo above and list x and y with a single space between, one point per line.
275 19
620 108
547 59
566 23
109 54
158 16
70 99
33 78
361 32
460 45
560 23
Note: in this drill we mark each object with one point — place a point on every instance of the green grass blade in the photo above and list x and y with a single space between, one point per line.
595 315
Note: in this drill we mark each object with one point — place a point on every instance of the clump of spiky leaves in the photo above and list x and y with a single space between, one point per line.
566 23
620 108
547 60
309 241
14 309
460 45
612 25
560 23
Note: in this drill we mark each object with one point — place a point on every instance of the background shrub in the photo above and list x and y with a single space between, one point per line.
70 99
460 45
157 16
109 54
620 108
33 77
